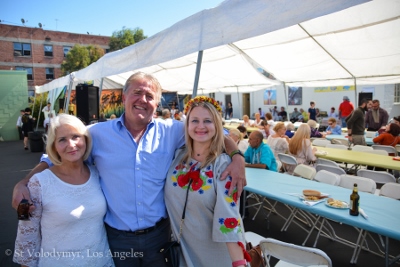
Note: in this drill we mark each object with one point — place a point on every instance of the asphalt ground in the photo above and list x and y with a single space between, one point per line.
15 163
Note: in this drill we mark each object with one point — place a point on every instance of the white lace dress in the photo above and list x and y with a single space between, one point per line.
278 145
67 227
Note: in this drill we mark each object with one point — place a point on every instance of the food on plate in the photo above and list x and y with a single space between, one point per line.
311 193
336 203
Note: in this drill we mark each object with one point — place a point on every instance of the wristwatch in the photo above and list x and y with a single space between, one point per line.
233 153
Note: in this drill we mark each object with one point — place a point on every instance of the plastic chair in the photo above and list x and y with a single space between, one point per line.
378 176
288 160
320 142
370 134
333 169
326 177
293 255
391 190
327 162
253 238
378 152
361 148
364 184
389 149
337 146
304 171
279 165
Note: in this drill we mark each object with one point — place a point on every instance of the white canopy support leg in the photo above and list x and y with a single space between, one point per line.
197 77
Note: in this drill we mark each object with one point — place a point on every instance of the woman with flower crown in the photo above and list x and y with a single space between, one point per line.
212 232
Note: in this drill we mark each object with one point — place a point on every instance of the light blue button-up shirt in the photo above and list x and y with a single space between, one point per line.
132 175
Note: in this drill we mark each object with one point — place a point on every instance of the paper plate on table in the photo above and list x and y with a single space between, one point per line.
321 153
337 204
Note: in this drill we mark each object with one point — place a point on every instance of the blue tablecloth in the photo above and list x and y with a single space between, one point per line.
383 213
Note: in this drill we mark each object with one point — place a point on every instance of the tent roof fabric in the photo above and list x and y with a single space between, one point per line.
251 45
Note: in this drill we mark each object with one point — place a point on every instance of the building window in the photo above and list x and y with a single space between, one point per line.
28 72
21 49
397 93
48 50
49 73
66 50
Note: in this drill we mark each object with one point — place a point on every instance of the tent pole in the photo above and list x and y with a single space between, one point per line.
198 67
286 101
240 111
40 109
355 92
66 103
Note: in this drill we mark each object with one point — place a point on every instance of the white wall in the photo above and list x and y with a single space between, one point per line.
324 101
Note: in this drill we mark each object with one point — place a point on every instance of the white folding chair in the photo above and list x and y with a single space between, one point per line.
327 162
378 176
361 148
388 149
329 168
337 146
378 152
287 160
279 163
391 190
364 184
293 255
370 134
304 171
321 142
253 238
326 177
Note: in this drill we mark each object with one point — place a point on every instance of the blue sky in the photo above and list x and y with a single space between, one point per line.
101 17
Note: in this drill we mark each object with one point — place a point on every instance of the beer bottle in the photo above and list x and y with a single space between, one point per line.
354 201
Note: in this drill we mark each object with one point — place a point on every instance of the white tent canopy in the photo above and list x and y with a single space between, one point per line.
301 43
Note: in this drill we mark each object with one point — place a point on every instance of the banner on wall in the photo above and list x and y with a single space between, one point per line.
333 89
295 96
270 96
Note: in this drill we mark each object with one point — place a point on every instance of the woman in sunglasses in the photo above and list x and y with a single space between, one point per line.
333 128
67 225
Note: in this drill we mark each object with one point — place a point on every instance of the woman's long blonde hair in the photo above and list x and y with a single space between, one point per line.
299 139
217 145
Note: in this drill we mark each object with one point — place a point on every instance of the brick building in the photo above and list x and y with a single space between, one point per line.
40 52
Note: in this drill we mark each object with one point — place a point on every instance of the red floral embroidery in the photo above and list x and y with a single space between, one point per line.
183 180
228 185
209 174
197 184
230 223
235 197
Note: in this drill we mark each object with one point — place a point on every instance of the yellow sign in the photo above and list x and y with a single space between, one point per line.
333 89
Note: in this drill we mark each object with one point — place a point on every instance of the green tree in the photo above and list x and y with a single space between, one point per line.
125 37
80 57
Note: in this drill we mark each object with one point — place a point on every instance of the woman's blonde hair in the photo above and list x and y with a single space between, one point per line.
237 133
217 145
312 123
278 126
299 139
55 123
290 126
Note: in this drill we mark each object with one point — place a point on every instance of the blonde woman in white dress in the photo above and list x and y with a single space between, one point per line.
67 224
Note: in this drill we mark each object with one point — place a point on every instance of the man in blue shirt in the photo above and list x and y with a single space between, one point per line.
133 154
258 154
